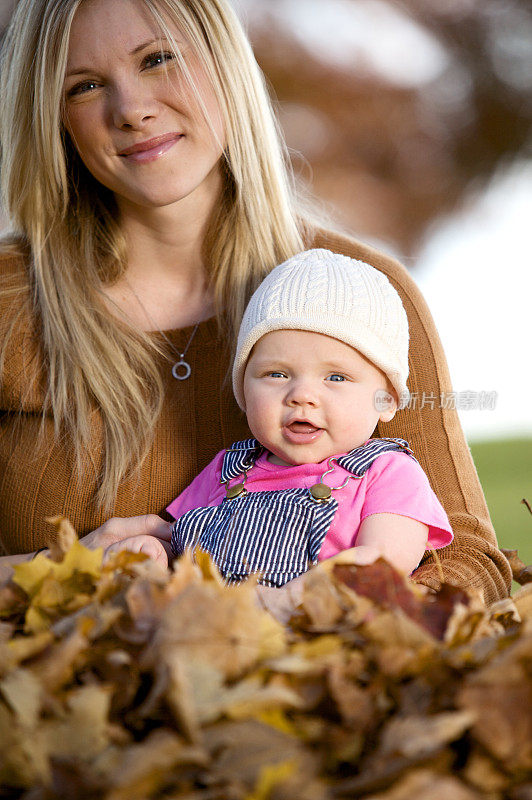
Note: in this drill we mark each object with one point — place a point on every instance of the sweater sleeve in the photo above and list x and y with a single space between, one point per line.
434 432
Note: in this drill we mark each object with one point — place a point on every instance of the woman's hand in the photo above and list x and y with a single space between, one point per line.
117 529
149 545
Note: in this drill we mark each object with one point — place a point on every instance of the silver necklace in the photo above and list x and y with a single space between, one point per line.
180 365
181 370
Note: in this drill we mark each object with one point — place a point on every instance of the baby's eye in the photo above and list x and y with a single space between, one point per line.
276 375
157 59
335 377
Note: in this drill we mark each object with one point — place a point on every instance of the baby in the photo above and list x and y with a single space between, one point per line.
321 358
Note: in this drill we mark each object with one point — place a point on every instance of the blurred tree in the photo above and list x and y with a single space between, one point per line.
390 150
388 154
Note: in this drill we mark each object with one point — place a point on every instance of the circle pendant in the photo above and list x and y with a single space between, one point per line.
181 370
320 492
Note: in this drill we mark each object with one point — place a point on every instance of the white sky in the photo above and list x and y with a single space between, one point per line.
476 274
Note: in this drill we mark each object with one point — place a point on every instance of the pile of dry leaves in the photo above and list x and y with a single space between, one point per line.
129 682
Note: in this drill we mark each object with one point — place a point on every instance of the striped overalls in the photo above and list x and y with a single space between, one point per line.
277 534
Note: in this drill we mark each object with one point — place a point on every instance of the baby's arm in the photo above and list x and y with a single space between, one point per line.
400 540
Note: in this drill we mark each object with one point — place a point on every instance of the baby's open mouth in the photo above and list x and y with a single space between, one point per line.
302 427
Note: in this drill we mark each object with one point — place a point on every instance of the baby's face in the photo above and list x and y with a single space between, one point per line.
309 396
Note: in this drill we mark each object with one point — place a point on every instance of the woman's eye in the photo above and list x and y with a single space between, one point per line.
336 378
82 88
157 59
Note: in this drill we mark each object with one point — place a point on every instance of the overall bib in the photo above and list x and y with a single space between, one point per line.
277 534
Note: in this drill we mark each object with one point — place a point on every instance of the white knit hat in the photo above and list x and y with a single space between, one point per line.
332 294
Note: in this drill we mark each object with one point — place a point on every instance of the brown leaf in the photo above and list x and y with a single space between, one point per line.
503 720
356 705
522 792
400 660
505 612
64 537
397 629
83 731
23 693
420 737
12 599
523 602
21 648
423 784
482 773
321 601
143 769
391 589
221 626
56 667
241 749
23 756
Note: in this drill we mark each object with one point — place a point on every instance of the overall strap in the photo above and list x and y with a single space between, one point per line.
359 460
240 457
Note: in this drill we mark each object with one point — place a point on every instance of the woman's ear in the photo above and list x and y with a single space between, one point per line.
387 404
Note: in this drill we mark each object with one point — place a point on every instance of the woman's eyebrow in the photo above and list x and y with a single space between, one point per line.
134 52
140 47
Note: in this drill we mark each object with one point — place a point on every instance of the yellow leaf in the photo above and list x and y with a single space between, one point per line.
80 559
123 559
36 621
31 574
51 594
276 718
323 646
271 776
207 567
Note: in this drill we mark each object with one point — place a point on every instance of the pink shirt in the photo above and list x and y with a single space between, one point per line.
394 484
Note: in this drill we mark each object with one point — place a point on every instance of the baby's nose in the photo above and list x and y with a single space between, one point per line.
302 392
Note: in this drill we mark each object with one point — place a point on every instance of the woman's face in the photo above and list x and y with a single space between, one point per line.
131 114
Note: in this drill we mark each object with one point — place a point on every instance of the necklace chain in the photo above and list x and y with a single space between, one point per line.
181 369
182 364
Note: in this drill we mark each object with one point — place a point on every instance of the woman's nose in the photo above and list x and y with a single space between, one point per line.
131 107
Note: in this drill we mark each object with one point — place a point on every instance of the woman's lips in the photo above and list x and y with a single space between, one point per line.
150 150
301 432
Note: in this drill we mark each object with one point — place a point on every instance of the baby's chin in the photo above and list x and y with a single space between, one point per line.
273 458
286 460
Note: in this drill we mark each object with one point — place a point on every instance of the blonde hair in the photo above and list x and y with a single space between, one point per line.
69 221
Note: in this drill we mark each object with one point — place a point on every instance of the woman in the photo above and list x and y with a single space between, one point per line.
149 194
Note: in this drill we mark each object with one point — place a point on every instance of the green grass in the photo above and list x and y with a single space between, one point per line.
505 471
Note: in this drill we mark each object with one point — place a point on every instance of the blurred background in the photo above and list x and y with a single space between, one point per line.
411 122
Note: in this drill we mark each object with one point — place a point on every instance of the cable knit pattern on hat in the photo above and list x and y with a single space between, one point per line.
328 293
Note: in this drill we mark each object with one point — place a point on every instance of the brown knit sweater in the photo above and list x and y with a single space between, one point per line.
200 417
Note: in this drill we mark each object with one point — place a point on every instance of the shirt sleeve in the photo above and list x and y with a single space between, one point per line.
397 485
205 489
